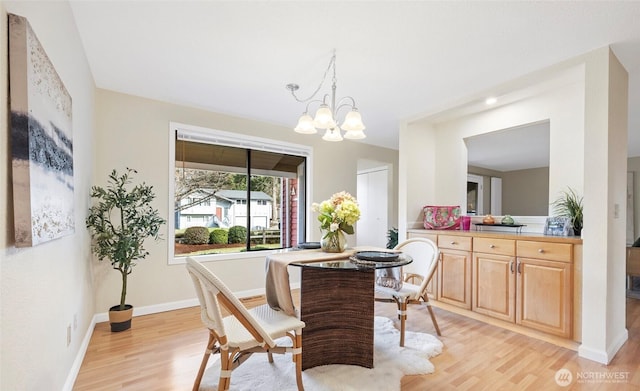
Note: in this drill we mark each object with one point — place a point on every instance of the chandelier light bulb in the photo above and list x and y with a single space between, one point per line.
353 122
332 134
305 125
324 118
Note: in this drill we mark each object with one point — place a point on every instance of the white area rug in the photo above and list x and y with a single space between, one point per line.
391 363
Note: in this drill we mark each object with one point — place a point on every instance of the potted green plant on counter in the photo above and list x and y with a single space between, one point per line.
121 219
569 204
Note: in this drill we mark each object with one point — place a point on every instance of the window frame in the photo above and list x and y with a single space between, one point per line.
238 140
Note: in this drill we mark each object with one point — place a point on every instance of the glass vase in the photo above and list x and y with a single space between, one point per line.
333 242
390 277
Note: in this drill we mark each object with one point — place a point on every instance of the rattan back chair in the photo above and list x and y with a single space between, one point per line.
243 332
416 277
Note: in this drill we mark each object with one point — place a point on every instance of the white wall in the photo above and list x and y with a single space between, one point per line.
604 234
417 168
43 287
560 106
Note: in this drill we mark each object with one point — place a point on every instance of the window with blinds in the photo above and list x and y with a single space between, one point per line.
246 194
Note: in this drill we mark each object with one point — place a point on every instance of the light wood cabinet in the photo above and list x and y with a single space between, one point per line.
532 290
454 285
544 287
525 281
494 278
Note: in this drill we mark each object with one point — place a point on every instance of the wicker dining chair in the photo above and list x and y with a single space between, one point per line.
425 260
243 332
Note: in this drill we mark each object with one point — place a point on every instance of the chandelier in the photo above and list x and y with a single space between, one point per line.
326 115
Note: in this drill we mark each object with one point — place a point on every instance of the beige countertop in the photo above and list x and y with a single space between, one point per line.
501 235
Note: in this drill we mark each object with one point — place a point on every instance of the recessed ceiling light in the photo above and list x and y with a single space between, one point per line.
491 101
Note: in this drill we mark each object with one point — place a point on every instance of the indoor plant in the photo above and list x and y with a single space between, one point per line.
392 237
119 222
337 217
569 204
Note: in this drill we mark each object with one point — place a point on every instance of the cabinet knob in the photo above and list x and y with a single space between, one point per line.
492 246
540 250
452 242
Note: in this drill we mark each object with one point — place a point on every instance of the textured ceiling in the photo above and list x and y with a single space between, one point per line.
397 59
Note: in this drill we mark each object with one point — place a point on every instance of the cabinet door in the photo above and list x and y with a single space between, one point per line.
543 299
454 285
494 286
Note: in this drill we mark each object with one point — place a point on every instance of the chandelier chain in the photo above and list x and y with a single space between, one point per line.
332 62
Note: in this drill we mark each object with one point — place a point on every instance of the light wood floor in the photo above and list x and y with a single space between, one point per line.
163 352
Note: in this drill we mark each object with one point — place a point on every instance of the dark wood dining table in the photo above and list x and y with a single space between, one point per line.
336 304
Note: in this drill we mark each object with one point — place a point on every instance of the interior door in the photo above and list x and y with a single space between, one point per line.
496 196
371 229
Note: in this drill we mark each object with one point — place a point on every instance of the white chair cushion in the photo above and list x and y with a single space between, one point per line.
275 323
408 291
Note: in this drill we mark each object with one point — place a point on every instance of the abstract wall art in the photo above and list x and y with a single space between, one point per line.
41 141
631 211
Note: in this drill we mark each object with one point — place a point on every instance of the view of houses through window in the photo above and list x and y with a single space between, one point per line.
230 199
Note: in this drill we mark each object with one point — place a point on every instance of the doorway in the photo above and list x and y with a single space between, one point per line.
475 188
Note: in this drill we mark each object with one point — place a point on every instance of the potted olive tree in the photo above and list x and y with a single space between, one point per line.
119 221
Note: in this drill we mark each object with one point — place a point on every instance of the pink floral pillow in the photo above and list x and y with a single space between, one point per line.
441 217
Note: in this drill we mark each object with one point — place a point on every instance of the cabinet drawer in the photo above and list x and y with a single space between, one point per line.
455 242
432 237
494 246
545 250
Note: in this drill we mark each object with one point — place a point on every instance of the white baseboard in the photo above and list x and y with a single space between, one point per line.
618 342
604 356
597 355
152 309
77 363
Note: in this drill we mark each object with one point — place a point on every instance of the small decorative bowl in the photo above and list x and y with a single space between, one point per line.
508 220
488 219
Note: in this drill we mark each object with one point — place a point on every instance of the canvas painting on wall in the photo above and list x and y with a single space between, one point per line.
41 141
631 234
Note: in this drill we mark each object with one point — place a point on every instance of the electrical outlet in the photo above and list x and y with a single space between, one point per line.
75 322
68 335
